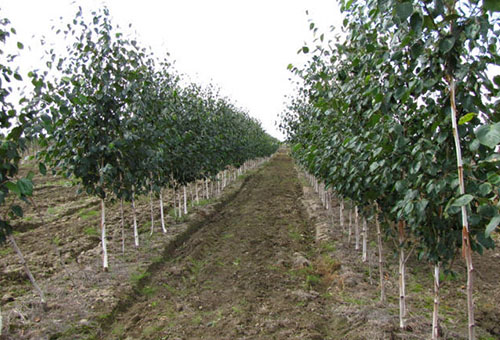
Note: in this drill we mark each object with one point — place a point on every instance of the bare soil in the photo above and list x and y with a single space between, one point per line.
265 261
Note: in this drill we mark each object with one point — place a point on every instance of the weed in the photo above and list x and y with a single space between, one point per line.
237 309
136 277
148 291
28 218
196 320
118 330
56 240
5 251
313 280
87 214
91 231
226 236
328 246
170 289
150 330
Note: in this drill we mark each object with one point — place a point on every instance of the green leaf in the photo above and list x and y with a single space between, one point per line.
496 80
13 187
446 44
42 168
416 22
404 10
20 45
492 225
491 5
485 188
489 135
305 49
462 200
467 118
17 210
25 186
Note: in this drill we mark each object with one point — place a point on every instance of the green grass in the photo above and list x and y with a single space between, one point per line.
85 214
91 231
5 251
148 291
138 276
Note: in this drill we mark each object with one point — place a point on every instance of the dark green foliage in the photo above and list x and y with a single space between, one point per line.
372 118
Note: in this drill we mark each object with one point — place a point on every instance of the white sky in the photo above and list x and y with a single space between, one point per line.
243 47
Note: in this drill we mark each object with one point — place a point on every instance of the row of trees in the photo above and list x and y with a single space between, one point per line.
106 112
385 117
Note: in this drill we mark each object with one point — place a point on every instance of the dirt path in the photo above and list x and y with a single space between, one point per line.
242 276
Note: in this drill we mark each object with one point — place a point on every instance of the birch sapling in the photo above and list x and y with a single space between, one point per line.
162 213
365 239
179 201
466 246
341 214
185 200
402 276
349 234
134 214
356 227
435 312
151 209
174 198
103 237
122 222
380 257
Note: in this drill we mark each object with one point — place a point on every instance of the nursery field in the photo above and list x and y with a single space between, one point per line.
263 261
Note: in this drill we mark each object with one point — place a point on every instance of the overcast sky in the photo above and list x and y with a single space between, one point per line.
243 47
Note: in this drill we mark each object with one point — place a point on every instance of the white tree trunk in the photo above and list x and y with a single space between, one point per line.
185 201
356 227
179 201
380 259
341 214
122 225
349 234
402 278
103 237
467 251
365 241
175 201
196 191
134 215
152 210
435 313
206 189
162 213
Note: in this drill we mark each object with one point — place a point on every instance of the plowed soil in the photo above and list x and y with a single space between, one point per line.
265 261
244 275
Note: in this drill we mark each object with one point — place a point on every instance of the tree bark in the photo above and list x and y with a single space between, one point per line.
356 227
380 259
136 233
365 241
103 237
162 213
466 247
122 225
402 279
435 313
185 200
